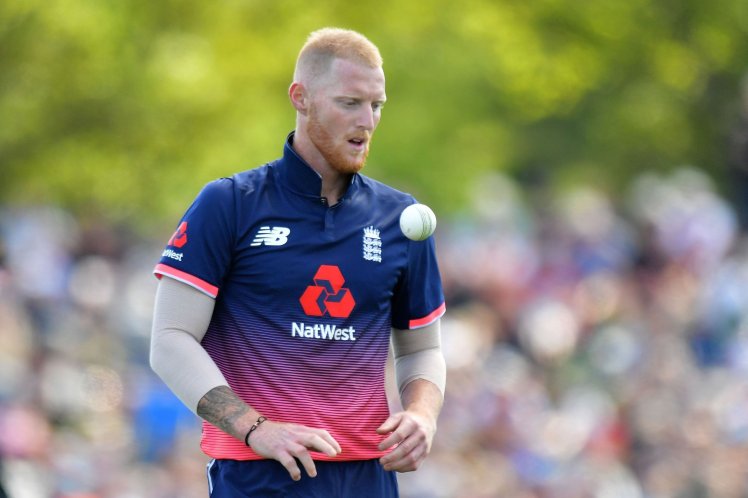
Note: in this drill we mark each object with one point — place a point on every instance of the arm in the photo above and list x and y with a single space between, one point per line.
421 374
181 318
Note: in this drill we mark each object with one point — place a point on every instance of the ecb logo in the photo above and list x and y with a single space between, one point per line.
328 295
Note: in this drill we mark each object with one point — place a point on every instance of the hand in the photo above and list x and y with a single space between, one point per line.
286 442
413 433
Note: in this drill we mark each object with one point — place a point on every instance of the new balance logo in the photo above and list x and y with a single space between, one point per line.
275 236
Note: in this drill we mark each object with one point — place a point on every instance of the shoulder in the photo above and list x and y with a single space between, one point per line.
385 193
238 183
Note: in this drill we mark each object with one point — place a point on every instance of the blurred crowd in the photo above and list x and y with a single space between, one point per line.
597 346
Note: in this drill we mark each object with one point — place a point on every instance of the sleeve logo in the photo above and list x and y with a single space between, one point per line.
179 239
275 236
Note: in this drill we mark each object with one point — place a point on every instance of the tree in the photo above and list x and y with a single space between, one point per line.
127 108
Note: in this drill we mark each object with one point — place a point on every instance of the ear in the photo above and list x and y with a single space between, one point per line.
299 97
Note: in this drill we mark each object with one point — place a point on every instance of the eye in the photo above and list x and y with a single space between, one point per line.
377 106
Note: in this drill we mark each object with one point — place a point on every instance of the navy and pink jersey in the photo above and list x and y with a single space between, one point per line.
306 295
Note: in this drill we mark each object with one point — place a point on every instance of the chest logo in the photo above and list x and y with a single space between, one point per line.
372 245
327 295
271 236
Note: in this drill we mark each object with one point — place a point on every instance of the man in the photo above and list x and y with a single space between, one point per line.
286 284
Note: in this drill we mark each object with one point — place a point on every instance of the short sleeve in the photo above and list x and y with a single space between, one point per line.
418 300
199 252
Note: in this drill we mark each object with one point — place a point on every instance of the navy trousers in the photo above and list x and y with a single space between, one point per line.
269 479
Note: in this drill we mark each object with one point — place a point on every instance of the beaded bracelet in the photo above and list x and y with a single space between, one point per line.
254 426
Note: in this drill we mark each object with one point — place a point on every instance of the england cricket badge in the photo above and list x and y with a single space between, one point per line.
372 245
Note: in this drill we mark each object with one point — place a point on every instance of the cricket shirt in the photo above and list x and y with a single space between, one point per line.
306 295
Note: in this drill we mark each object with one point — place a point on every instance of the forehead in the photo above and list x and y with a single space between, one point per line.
352 78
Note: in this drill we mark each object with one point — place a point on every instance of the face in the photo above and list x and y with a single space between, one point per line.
345 109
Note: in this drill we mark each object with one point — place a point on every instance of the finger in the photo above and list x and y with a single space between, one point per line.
405 462
331 441
316 443
390 441
289 463
306 461
325 443
401 451
401 432
389 425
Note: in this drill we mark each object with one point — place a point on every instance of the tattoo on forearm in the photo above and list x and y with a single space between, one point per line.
221 407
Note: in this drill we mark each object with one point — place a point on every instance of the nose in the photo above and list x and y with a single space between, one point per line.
367 118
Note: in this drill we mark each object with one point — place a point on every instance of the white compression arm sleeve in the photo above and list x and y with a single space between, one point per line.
180 320
418 355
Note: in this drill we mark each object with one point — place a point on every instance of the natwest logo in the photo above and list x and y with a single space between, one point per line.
328 295
180 236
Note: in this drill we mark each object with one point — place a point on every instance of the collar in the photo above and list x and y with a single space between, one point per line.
296 174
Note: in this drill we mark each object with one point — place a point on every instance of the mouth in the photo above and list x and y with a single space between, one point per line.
357 141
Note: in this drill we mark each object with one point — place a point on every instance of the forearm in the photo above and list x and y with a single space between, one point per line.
418 355
423 397
412 429
184 366
180 319
223 408
421 375
427 364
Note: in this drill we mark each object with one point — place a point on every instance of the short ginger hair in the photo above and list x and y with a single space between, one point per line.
327 44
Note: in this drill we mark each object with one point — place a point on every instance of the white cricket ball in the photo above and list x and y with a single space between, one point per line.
417 222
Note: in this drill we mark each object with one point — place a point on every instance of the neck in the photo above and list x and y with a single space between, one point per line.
334 183
333 190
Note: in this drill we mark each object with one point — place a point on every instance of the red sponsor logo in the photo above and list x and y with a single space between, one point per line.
179 238
328 295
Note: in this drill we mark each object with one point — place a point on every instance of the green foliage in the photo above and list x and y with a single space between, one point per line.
128 107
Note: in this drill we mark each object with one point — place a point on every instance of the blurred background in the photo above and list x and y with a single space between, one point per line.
587 161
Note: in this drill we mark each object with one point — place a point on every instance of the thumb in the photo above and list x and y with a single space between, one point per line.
390 424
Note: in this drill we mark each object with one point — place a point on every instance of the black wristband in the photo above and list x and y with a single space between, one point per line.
260 420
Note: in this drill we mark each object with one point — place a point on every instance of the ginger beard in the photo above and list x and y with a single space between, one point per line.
336 155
